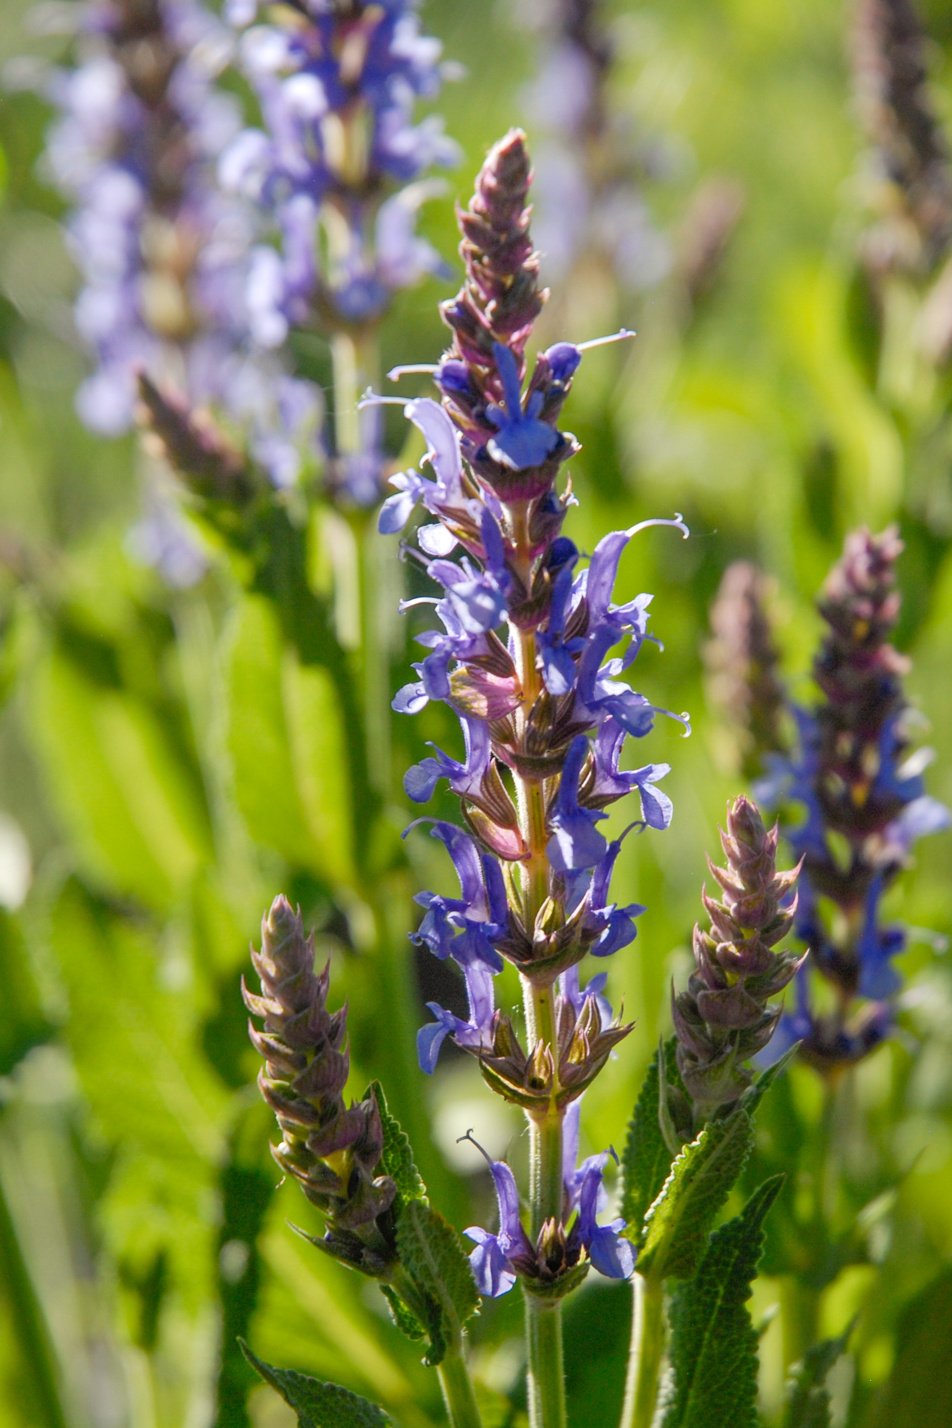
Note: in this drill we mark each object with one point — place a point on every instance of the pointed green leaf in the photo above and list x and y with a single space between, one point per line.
117 774
808 1399
288 742
404 1317
678 1223
318 1405
150 1091
396 1158
432 1254
712 1375
646 1160
754 1094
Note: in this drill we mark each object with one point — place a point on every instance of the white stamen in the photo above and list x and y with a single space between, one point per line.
371 398
678 523
411 369
622 335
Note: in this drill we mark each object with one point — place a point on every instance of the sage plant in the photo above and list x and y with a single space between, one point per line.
861 789
336 172
523 659
159 247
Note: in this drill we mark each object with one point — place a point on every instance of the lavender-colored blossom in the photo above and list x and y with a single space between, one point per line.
160 249
863 800
500 1258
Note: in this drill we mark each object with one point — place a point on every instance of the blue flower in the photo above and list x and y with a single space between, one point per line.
521 440
475 1033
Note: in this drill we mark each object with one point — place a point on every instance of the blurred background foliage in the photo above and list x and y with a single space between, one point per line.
169 760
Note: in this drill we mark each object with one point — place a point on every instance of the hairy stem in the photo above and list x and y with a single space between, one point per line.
458 1393
647 1353
546 1373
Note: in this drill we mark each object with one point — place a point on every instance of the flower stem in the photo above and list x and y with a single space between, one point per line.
458 1393
647 1353
546 1374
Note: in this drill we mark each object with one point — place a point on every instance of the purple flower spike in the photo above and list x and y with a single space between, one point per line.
860 790
532 654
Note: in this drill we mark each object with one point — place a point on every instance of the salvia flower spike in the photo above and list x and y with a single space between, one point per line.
531 656
862 792
743 665
723 1018
333 1150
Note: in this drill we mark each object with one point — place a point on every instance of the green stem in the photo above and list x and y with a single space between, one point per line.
546 1385
458 1394
647 1353
37 1359
801 1293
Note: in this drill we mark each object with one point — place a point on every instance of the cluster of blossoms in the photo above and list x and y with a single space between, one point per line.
523 659
721 1019
336 169
864 801
160 250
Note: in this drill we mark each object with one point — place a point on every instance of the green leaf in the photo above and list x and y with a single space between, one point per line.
432 1254
318 1405
754 1094
646 1160
404 1317
396 1157
117 775
151 1094
808 1399
23 1024
288 740
678 1223
712 1374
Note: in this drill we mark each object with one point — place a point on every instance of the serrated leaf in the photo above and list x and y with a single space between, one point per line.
150 1092
754 1094
288 743
404 1317
808 1399
432 1254
646 1161
396 1157
131 802
712 1375
701 1177
317 1404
